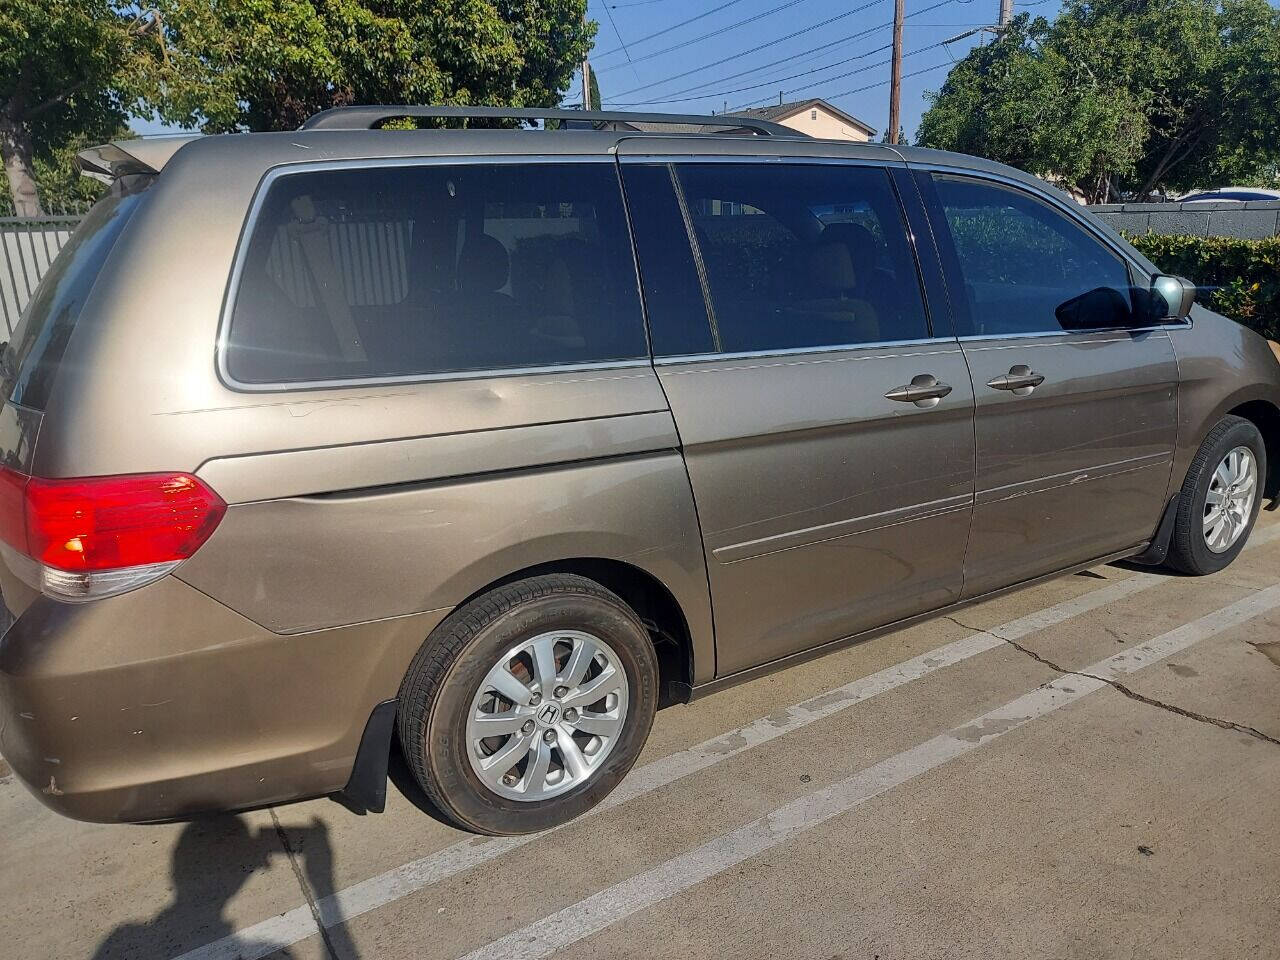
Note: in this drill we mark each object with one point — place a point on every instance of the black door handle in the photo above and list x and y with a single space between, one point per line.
1020 380
925 390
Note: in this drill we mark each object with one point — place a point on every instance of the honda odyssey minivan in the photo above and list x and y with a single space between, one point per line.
480 443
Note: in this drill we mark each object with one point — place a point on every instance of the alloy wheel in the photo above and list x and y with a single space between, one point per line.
1228 505
547 715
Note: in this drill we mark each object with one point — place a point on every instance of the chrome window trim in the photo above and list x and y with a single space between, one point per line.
762 158
1043 334
312 166
688 358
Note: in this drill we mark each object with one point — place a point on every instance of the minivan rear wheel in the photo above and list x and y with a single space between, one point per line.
528 704
1220 498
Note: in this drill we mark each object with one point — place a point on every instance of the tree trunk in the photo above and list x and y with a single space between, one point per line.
15 150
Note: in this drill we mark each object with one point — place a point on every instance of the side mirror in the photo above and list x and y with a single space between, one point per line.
1173 297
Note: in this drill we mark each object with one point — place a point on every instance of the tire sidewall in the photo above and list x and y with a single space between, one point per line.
1241 434
445 737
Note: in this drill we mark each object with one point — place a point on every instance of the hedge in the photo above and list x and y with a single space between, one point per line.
1244 275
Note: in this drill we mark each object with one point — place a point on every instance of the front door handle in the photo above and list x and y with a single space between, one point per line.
1020 380
925 390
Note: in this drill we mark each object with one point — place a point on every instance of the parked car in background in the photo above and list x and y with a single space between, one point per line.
1230 195
478 444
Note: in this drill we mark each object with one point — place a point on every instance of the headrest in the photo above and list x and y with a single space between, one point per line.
483 264
829 268
860 241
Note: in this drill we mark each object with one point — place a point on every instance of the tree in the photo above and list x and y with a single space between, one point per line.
1122 94
67 71
269 64
903 139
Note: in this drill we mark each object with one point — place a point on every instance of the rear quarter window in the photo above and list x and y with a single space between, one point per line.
410 271
29 361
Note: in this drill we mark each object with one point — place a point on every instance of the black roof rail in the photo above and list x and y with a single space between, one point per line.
368 117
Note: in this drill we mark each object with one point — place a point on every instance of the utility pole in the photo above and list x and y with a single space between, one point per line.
895 79
1006 12
586 71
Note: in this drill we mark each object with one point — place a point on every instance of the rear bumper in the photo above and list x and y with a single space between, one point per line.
163 703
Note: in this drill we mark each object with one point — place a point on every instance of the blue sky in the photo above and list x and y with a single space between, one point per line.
834 59
837 49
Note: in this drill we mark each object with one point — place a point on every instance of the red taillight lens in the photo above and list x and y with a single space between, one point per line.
105 523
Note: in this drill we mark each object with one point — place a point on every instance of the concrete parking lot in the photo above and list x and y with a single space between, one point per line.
1088 768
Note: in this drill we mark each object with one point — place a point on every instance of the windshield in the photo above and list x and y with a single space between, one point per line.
30 359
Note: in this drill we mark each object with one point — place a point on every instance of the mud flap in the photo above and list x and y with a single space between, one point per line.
366 790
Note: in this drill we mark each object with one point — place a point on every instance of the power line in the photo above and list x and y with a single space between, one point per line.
674 26
850 73
872 86
757 49
675 96
618 33
767 83
715 33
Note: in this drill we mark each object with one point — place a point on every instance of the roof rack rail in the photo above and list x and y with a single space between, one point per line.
369 117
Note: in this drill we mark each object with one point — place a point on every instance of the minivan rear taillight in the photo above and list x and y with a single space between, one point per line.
91 537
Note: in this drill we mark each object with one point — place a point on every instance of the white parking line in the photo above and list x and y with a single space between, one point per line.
601 910
261 939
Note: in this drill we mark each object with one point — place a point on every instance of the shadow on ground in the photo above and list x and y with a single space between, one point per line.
212 860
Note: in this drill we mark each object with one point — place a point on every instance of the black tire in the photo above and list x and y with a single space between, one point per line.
1188 551
437 694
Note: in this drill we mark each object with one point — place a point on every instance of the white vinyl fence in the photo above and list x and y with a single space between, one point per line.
27 248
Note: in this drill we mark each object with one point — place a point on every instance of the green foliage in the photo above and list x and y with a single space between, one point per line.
1246 273
1117 95
69 70
269 64
62 188
595 92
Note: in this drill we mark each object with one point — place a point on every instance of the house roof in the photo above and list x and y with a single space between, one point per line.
781 111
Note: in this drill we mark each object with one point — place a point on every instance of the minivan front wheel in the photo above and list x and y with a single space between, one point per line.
529 704
1220 498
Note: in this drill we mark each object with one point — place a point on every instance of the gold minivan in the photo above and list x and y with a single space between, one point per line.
479 444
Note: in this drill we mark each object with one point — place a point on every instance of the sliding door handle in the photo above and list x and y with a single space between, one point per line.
924 390
1020 380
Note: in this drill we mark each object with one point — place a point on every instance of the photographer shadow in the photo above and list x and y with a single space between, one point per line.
212 861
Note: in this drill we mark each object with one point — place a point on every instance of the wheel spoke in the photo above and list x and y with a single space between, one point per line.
1223 474
535 774
574 761
598 724
507 756
1213 518
544 663
1214 497
505 682
579 660
594 689
497 724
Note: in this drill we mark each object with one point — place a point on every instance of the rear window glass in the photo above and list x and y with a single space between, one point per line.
407 271
30 360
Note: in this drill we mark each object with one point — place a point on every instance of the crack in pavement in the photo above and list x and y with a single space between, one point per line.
306 887
1126 690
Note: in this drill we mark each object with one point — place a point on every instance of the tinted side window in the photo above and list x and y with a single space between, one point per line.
1023 267
405 271
803 255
